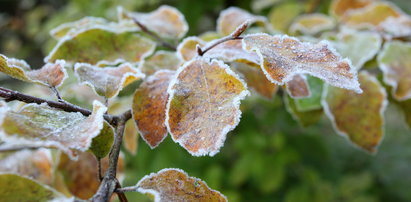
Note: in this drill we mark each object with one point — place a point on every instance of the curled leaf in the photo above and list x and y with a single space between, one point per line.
81 176
312 102
160 60
395 63
256 79
282 57
312 24
149 107
166 21
203 105
358 117
17 188
233 17
298 87
35 164
175 185
51 74
107 81
102 44
101 144
358 46
41 125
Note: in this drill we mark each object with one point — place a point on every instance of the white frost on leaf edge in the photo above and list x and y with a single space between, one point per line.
330 115
355 88
142 134
156 194
296 26
236 103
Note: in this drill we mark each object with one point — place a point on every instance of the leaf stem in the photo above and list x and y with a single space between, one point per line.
161 41
233 36
126 189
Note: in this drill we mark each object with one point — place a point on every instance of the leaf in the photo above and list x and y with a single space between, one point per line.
314 101
107 81
100 44
187 49
282 57
341 7
175 185
41 125
149 107
233 17
371 15
256 79
395 63
203 105
298 87
312 24
166 21
131 137
71 28
281 16
358 46
396 27
405 107
359 117
34 164
81 176
101 144
161 60
17 188
304 118
51 74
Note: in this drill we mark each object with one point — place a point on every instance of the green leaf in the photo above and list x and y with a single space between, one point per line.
17 188
107 81
358 117
41 125
304 118
282 15
312 102
395 63
101 144
51 74
311 24
101 44
160 60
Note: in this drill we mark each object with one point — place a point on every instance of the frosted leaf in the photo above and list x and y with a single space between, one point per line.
396 27
371 15
281 16
187 49
304 118
18 188
282 57
71 28
314 101
358 117
232 51
233 17
312 24
34 164
298 87
358 46
81 176
256 79
175 185
149 107
102 44
341 7
107 81
160 60
209 36
41 125
395 63
101 144
131 137
258 5
51 74
203 105
166 21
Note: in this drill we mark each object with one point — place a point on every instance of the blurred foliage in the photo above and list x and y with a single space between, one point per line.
268 157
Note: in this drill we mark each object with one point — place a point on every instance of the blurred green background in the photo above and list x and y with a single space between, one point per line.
268 157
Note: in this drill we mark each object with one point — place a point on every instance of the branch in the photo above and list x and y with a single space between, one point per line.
10 95
233 36
161 41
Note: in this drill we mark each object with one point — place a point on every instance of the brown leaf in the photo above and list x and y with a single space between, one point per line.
298 87
175 185
149 107
204 105
233 17
282 57
341 7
